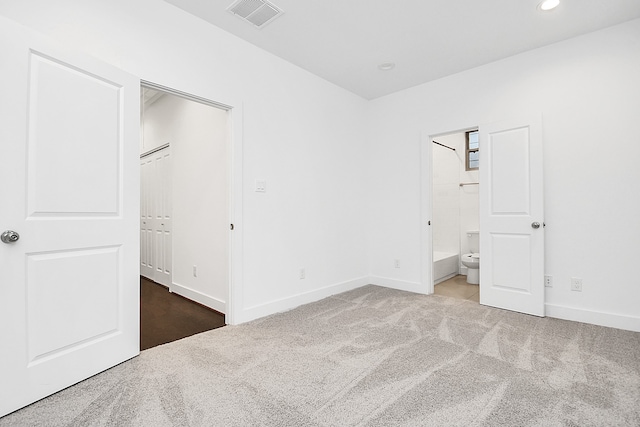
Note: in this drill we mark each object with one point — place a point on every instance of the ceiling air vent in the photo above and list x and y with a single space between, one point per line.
256 12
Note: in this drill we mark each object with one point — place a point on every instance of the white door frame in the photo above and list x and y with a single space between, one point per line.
235 114
426 202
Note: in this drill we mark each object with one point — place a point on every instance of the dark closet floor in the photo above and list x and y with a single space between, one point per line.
166 317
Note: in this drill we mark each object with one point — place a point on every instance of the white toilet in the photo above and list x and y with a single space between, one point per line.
472 260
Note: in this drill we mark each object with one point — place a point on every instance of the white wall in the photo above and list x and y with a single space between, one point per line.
588 91
199 137
301 134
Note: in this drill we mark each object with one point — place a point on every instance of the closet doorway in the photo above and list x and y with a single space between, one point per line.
184 204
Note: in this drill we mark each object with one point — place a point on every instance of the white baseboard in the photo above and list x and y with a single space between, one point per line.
398 284
435 282
288 303
629 323
199 297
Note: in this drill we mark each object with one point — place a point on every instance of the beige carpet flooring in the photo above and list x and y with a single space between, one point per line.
368 357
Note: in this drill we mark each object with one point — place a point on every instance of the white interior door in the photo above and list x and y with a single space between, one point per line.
69 290
146 217
511 216
156 219
164 230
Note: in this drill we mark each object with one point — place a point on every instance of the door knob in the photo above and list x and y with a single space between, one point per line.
535 225
9 236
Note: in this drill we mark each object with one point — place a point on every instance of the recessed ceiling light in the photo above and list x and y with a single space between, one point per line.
386 66
548 4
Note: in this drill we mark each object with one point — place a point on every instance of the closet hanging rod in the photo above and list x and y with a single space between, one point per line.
462 184
445 146
154 150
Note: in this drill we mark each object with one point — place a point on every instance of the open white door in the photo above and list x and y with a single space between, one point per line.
69 290
511 216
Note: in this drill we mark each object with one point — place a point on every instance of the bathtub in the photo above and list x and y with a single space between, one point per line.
445 266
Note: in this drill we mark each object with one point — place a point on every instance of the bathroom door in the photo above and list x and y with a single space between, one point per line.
511 216
69 287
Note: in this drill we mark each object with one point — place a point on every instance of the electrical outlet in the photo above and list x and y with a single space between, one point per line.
261 186
195 271
303 273
396 263
548 283
576 284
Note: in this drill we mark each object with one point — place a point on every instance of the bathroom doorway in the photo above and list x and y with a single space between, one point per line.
511 213
455 214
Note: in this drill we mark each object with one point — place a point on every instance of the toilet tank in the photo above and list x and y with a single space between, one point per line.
473 236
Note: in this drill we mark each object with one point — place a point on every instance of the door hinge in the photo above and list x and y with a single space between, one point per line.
231 226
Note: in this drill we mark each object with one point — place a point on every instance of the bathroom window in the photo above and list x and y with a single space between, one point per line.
472 154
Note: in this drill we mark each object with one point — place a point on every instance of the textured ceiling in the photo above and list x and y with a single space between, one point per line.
344 41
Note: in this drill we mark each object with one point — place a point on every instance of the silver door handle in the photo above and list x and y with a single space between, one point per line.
535 225
9 236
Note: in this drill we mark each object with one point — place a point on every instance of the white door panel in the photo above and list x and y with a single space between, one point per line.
511 200
510 170
69 292
85 143
52 326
